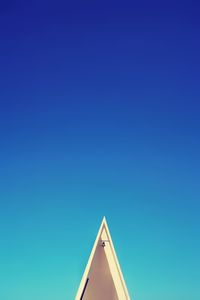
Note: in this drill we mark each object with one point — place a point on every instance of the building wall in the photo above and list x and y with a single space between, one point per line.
100 285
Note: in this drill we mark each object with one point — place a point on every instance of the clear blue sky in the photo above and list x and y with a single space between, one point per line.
99 115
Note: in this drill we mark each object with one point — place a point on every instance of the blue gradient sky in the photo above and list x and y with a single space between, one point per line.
99 115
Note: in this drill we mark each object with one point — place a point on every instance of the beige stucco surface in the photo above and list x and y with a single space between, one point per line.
100 285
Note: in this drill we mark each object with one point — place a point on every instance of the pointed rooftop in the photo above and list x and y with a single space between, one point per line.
103 278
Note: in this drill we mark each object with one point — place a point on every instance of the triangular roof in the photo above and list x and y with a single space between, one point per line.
103 279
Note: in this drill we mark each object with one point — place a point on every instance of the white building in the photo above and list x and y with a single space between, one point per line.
103 279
